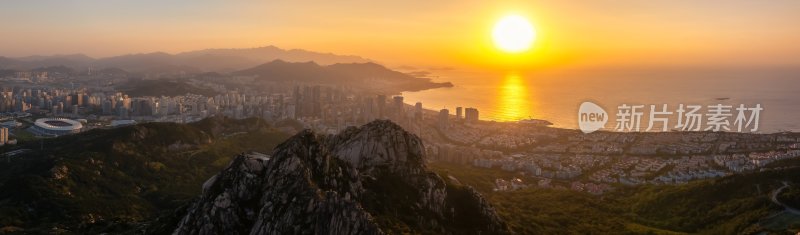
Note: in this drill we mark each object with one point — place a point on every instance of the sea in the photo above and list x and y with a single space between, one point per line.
556 95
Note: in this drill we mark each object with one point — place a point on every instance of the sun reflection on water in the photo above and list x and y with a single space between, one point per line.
513 100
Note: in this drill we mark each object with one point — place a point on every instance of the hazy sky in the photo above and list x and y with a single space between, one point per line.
424 32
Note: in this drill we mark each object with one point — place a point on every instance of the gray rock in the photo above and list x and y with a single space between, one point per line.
367 180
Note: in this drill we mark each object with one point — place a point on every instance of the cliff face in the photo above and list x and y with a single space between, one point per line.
367 180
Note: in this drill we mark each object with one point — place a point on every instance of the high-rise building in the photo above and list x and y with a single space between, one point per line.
78 98
398 106
68 101
444 114
459 113
60 108
381 106
316 100
418 111
3 136
367 110
4 102
291 111
471 115
86 101
107 107
297 104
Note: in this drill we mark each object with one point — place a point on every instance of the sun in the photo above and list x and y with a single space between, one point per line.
513 34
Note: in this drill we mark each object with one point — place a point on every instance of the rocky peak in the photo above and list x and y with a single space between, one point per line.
366 180
379 143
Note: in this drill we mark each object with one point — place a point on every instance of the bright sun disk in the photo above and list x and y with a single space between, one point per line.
513 34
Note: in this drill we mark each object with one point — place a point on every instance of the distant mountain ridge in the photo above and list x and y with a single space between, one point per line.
260 55
206 60
365 75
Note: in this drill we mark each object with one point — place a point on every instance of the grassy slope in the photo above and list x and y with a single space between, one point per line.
126 174
727 205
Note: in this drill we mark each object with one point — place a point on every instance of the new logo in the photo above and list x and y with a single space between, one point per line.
591 117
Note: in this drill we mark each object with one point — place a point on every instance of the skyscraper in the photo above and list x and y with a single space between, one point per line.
397 107
3 136
368 110
316 99
471 115
381 106
459 113
444 114
418 111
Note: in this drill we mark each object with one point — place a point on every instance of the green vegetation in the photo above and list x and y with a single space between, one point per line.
391 199
642 229
482 179
729 205
790 196
23 135
102 180
537 211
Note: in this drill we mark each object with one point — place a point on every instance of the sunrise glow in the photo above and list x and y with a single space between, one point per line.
513 34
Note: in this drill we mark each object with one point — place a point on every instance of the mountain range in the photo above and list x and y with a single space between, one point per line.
266 64
366 75
207 60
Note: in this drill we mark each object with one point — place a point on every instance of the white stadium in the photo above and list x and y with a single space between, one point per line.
55 127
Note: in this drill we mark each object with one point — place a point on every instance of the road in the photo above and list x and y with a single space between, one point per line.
774 199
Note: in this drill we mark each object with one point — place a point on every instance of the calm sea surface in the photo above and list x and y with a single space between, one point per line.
556 96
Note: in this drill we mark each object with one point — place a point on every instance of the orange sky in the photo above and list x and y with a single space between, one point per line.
420 33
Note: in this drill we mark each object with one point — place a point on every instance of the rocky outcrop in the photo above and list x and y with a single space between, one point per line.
367 180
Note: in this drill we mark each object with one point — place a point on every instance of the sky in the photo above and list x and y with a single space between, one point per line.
445 33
